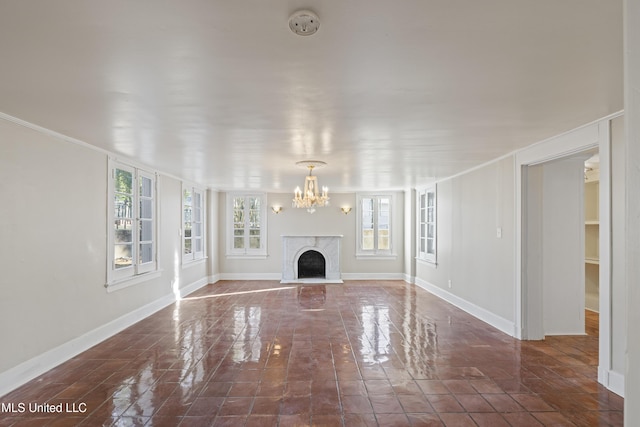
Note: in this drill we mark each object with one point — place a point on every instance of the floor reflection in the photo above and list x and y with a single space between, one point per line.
362 353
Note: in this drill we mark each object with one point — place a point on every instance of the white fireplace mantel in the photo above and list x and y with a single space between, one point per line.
295 245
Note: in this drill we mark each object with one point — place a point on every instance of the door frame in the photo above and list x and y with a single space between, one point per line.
593 135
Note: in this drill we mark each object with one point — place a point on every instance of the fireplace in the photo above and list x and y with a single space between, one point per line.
308 259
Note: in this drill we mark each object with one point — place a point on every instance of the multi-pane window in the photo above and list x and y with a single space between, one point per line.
193 224
427 224
374 234
132 196
248 233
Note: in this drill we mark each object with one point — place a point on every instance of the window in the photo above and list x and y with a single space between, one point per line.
133 222
427 224
246 231
374 224
193 224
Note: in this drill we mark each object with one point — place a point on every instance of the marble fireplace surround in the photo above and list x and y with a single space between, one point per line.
294 246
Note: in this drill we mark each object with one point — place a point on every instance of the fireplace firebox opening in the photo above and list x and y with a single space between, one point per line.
311 265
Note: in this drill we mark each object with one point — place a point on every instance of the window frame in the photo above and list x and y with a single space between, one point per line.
423 223
137 272
375 252
246 252
194 255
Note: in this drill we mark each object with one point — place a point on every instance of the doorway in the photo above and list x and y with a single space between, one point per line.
560 161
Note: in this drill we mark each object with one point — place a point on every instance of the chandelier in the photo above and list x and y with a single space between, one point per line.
309 198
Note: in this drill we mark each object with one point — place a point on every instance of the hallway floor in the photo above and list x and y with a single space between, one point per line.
387 353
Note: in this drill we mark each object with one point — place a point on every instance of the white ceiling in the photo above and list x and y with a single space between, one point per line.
390 94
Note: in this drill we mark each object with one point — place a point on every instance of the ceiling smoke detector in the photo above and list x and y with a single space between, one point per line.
304 23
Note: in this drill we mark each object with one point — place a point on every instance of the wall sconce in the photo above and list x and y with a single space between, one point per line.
345 209
276 209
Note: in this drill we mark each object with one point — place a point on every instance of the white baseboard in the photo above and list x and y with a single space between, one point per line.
504 325
409 279
614 381
278 276
32 368
250 276
372 276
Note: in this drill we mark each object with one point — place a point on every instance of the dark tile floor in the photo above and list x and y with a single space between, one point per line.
384 353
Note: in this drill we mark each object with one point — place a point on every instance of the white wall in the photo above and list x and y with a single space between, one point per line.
53 229
618 241
470 209
632 219
327 220
563 247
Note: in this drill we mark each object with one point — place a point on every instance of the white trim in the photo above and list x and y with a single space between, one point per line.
65 138
425 191
515 152
132 280
595 134
32 368
250 276
427 262
376 196
194 263
376 256
246 252
612 380
409 278
486 316
373 276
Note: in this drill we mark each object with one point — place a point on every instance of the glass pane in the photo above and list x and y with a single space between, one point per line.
431 246
430 215
122 206
187 246
123 182
431 231
197 245
238 242
367 241
238 217
254 242
239 232
383 213
197 229
238 203
187 230
146 252
146 208
197 200
145 186
254 232
122 255
254 203
122 231
423 230
254 218
186 198
383 239
146 231
422 201
431 199
422 245
187 214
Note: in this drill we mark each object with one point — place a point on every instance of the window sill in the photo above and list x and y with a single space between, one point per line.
430 263
244 256
116 285
193 262
376 256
